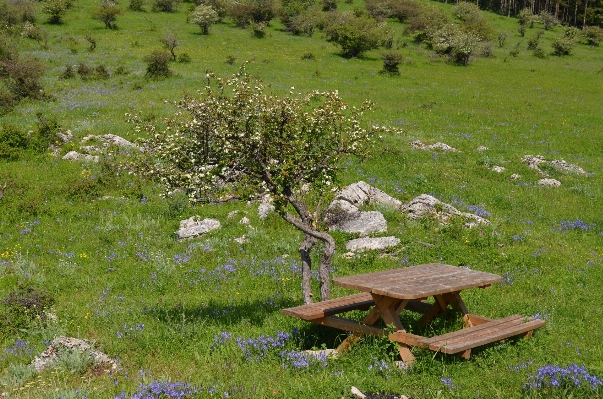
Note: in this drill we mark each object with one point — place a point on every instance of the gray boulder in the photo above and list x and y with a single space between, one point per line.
364 224
426 205
76 156
549 183
367 244
193 227
362 193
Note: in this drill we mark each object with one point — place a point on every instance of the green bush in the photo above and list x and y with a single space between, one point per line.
85 72
13 141
165 5
457 44
184 58
355 35
22 77
248 11
592 35
136 5
548 20
21 307
562 46
158 64
427 21
55 9
108 12
391 60
534 41
473 20
291 14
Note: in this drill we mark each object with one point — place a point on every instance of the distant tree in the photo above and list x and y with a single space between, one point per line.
239 139
108 12
391 60
355 35
170 42
457 44
55 9
204 16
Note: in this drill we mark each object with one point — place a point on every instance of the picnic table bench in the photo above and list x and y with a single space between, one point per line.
387 293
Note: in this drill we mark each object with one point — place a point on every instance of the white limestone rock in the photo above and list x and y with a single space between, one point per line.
76 156
497 169
60 345
549 183
193 227
515 176
425 205
365 224
437 146
368 244
362 193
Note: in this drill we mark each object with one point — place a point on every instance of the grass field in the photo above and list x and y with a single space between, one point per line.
204 315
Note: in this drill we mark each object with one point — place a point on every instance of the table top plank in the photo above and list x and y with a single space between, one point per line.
418 281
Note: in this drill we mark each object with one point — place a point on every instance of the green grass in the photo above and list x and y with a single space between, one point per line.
111 264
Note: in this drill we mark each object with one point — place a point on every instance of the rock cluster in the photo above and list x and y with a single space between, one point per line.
61 345
437 146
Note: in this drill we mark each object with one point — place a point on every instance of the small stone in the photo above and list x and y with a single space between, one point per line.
241 240
481 148
515 176
549 183
356 392
232 214
265 209
244 220
497 169
59 345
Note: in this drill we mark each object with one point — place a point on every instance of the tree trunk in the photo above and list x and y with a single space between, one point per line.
585 8
325 268
305 250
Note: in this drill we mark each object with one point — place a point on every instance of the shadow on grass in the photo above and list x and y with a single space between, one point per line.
219 313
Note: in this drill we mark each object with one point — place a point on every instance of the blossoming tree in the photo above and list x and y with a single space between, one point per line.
238 140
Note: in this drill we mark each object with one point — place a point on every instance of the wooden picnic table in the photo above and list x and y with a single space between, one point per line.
387 293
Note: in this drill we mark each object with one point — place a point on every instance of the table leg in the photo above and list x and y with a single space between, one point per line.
440 305
384 307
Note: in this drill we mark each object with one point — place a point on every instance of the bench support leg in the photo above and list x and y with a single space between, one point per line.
407 357
466 354
347 343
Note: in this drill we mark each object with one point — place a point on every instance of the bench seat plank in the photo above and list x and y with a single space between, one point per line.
467 338
319 310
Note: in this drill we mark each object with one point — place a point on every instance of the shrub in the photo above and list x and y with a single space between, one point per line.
107 13
21 307
56 9
165 5
457 44
36 33
548 20
391 60
101 72
329 5
68 73
308 56
136 5
90 40
204 16
13 141
121 70
22 77
538 52
570 32
46 132
219 6
306 22
522 30
355 35
184 58
592 35
230 60
248 11
158 64
258 29
472 20
562 46
16 12
502 38
534 41
525 17
85 71
295 15
426 22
